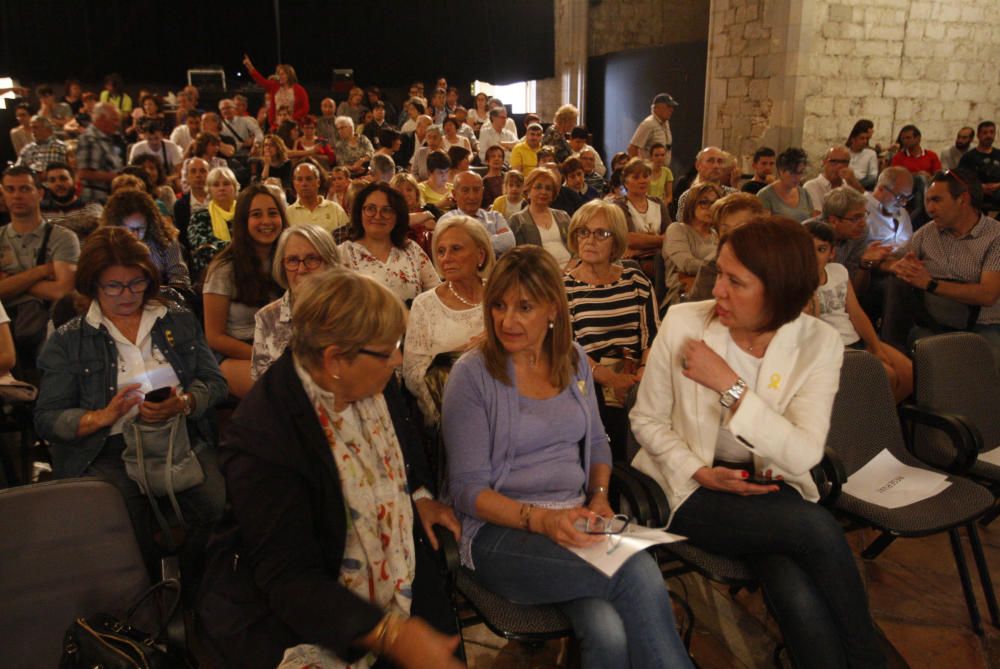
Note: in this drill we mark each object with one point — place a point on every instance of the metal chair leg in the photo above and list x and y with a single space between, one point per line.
963 575
876 547
984 573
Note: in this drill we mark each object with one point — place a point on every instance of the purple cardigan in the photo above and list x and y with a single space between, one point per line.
480 419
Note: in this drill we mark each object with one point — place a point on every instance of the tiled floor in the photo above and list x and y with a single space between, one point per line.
915 597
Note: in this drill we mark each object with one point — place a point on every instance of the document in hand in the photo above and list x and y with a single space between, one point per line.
610 554
887 482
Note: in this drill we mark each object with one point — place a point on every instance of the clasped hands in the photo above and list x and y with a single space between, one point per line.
911 269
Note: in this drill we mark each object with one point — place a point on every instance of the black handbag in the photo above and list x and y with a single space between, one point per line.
106 641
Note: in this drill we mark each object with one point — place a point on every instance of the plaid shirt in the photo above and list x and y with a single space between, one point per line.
97 151
39 154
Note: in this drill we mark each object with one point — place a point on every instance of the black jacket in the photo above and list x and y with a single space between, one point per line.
272 579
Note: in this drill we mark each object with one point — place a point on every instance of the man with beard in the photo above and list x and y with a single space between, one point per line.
985 162
951 156
62 205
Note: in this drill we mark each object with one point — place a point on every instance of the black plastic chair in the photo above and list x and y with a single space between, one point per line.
864 423
955 374
67 549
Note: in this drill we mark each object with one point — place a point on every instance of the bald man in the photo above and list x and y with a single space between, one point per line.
468 194
835 172
710 163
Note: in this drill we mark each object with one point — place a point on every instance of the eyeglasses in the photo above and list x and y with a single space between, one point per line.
952 174
540 186
116 288
600 234
599 525
838 161
292 263
380 354
906 197
857 218
371 210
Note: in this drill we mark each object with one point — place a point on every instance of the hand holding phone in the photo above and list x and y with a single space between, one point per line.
159 395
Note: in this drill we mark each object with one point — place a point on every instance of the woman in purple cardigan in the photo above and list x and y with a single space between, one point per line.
528 460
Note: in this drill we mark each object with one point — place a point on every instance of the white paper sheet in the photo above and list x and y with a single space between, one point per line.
610 554
887 482
992 457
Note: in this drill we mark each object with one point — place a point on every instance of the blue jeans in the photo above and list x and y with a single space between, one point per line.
621 621
798 551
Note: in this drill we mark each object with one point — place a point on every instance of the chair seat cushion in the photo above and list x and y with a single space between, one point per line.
510 620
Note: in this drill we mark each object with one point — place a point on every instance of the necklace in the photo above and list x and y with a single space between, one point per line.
461 299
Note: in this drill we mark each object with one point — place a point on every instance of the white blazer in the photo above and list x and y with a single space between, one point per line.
783 419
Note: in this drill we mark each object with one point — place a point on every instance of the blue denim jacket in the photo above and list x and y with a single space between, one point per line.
80 373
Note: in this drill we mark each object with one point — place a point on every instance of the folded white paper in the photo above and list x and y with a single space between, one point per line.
610 554
887 482
992 457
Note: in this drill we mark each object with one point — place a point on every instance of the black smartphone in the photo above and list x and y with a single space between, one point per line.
756 480
158 395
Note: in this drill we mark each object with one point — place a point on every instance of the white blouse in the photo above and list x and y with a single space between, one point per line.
407 272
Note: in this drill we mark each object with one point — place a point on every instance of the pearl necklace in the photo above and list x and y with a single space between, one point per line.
460 298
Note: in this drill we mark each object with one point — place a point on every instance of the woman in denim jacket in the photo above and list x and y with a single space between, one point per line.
97 368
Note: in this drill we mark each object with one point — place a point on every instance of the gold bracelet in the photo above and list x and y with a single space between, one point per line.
525 514
379 645
392 631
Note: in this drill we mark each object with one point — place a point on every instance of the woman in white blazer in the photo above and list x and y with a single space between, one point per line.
742 387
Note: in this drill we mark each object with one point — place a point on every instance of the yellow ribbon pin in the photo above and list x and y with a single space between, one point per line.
775 381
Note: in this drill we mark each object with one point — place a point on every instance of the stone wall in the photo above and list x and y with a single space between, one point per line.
801 72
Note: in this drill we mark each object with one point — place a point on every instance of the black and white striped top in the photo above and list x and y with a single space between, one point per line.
608 317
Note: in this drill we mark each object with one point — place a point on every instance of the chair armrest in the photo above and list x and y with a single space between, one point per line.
625 486
964 436
829 476
449 549
659 507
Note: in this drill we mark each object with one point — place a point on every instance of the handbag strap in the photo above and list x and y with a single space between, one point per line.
150 591
160 519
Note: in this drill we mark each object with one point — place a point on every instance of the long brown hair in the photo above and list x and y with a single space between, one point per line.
534 271
124 203
252 280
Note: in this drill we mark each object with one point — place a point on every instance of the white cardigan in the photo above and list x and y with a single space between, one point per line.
783 420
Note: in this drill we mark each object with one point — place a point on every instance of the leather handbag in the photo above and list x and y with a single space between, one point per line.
104 640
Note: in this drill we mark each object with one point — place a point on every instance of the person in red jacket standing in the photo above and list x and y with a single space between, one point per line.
285 91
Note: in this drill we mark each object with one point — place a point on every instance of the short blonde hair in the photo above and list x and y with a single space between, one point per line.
321 240
476 232
216 173
733 204
339 307
565 113
406 178
613 216
542 173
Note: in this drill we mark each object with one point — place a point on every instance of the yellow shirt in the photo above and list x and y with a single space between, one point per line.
439 200
658 186
523 157
328 215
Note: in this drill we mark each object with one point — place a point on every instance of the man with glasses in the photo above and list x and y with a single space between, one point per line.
310 206
496 134
888 221
710 164
845 209
957 259
37 262
243 130
835 172
468 194
984 161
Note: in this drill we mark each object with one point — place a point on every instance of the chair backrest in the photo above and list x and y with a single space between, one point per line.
864 419
955 373
67 549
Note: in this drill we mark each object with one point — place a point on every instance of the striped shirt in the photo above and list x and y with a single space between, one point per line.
611 316
962 259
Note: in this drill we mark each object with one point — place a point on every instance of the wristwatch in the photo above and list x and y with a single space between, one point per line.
421 493
188 406
932 286
733 394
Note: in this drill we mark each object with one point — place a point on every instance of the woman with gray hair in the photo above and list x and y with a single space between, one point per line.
612 310
301 250
353 151
323 559
447 319
209 229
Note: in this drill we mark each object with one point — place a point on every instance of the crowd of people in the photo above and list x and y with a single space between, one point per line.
357 282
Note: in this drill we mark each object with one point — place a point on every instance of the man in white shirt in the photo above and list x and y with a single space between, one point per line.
184 134
170 154
242 129
951 156
496 134
888 221
655 128
468 194
309 205
836 172
578 137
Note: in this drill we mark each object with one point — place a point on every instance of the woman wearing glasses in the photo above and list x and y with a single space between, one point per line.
97 368
539 223
323 560
238 283
528 462
786 196
301 250
378 245
691 242
612 310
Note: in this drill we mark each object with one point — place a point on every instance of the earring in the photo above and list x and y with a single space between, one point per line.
552 324
335 377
